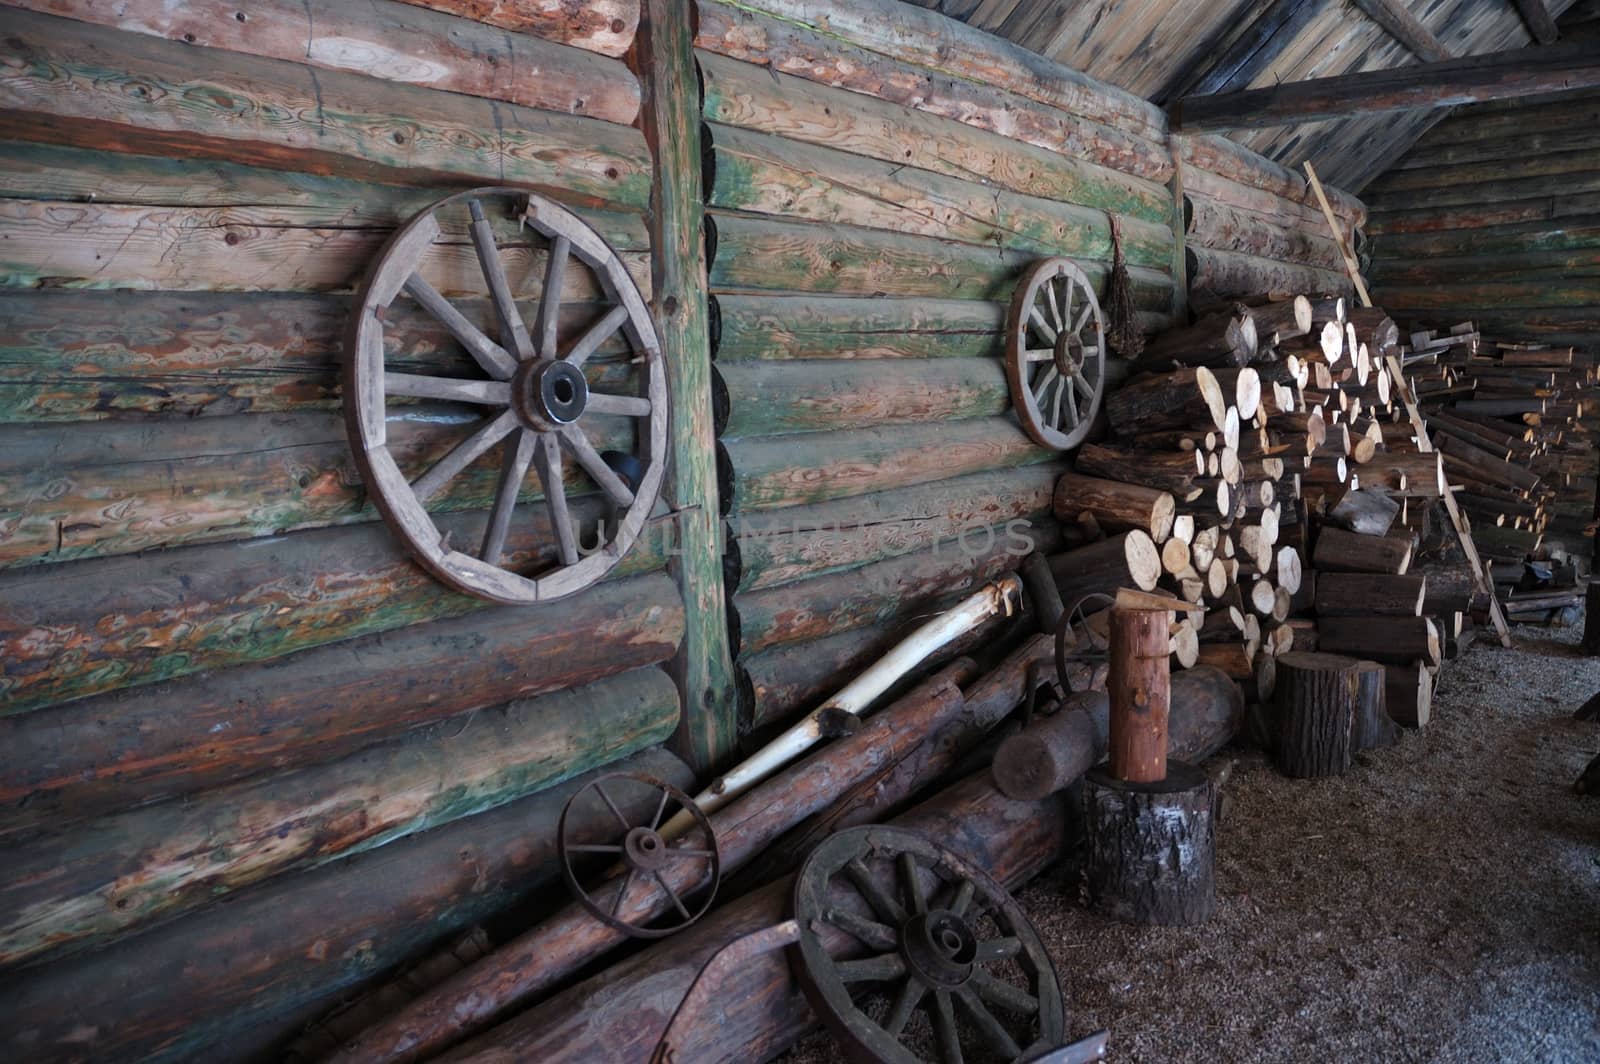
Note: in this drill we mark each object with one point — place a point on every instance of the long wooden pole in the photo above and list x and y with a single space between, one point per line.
1398 22
1496 76
703 667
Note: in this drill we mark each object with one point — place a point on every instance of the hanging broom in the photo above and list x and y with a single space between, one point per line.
1121 320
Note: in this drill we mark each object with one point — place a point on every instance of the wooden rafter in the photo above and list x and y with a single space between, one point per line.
1537 18
1497 76
1398 22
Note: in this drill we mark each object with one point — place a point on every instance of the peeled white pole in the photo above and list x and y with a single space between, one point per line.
1001 596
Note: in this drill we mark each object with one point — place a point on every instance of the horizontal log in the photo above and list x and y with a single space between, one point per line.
98 881
772 473
1566 160
603 26
780 546
1289 213
878 592
1129 559
753 97
765 174
95 626
117 750
1397 640
1349 552
1494 76
779 327
1488 242
1555 265
310 939
1222 228
1189 398
69 355
386 40
765 254
1223 156
790 48
1221 275
1509 211
1115 504
1566 113
115 488
1173 471
774 398
1366 594
57 88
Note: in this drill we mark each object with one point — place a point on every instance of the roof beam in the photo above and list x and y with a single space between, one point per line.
1398 22
1538 20
1496 76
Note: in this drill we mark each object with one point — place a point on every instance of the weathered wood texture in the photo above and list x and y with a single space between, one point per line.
1151 847
252 972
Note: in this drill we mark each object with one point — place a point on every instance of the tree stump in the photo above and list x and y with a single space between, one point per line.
1152 847
1316 696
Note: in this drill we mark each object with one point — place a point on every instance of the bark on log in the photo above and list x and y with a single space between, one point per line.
1347 552
1128 559
1316 704
1229 275
1151 847
1366 594
1408 694
777 398
1372 728
1181 399
1223 339
1285 319
1115 504
1140 688
1167 471
1395 640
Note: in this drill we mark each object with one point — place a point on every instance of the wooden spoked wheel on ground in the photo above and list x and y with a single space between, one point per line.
1055 353
535 397
892 925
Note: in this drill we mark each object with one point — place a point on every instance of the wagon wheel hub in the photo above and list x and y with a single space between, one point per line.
644 850
1069 354
940 948
549 393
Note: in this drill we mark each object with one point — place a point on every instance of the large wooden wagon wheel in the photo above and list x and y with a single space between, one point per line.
1055 353
927 931
535 396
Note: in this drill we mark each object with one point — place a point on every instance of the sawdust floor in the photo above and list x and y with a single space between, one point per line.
1439 903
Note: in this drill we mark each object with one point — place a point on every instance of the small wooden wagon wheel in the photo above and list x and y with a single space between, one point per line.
1055 353
926 929
535 396
642 854
1079 648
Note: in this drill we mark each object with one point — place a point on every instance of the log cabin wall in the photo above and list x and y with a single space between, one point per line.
223 679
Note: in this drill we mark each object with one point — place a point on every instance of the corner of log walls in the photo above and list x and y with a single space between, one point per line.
222 675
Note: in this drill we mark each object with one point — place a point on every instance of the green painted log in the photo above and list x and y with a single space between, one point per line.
70 355
752 97
879 592
789 48
119 487
1228 158
1222 228
773 398
68 83
1573 165
1502 266
93 883
1533 295
56 244
765 254
386 40
101 625
1517 145
778 327
82 758
703 666
771 473
1201 184
252 973
1482 215
1579 232
765 174
796 543
1224 275
1509 187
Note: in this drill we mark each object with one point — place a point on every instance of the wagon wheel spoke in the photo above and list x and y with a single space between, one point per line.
881 969
620 405
989 1028
661 809
1072 405
1034 354
622 892
998 949
462 455
1043 383
1077 326
595 335
904 1004
547 323
963 897
1001 993
611 805
886 907
594 465
906 865
485 393
677 902
513 471
592 847
1066 301
1036 318
1054 304
513 330
1055 404
555 497
944 1027
488 354
868 932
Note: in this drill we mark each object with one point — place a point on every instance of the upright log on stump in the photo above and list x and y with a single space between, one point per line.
1316 696
1151 843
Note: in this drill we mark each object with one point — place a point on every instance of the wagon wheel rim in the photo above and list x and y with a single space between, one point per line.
941 941
1055 353
642 855
1075 644
536 400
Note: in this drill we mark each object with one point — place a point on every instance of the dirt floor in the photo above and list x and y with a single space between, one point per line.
1439 903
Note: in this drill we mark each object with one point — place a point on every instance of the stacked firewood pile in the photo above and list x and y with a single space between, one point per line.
1508 417
1263 469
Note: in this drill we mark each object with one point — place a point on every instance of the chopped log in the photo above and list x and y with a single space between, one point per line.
1175 557
1180 399
1223 339
1316 706
1372 727
1234 659
1151 857
1128 559
1115 504
1166 471
1289 570
1348 552
1368 512
1408 694
1365 594
1393 640
1140 688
